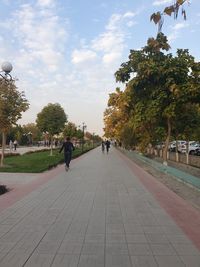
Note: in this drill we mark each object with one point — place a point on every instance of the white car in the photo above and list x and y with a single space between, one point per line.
192 149
181 145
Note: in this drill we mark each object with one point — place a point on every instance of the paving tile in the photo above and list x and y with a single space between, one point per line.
7 246
136 238
39 260
97 228
117 249
144 261
91 261
172 261
175 238
74 238
157 238
115 228
63 260
14 259
191 261
186 249
95 238
93 249
131 228
139 249
115 238
68 247
47 247
163 249
98 216
153 230
117 261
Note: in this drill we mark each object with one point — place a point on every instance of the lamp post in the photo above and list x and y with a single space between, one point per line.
6 69
5 76
93 135
83 129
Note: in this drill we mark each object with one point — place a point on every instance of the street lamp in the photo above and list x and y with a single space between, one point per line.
83 129
4 76
6 69
93 135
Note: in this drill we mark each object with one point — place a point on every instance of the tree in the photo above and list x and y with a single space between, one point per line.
161 86
116 115
70 130
51 119
158 17
31 133
12 104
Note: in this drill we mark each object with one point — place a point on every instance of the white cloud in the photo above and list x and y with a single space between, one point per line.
107 46
129 15
162 2
45 3
175 30
41 36
81 56
108 41
111 57
179 26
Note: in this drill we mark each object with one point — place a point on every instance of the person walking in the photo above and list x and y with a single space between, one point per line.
107 146
68 148
103 146
15 145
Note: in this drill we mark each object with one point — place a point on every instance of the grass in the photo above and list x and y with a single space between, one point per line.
37 162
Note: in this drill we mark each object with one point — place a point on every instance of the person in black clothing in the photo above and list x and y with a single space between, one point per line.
107 145
68 148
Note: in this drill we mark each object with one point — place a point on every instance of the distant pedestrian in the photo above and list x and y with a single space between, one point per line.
103 146
107 146
15 145
11 145
68 148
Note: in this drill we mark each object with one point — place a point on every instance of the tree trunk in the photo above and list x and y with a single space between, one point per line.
3 147
167 142
177 156
51 153
187 153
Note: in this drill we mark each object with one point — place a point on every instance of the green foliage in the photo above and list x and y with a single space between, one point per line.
70 130
159 89
51 119
12 104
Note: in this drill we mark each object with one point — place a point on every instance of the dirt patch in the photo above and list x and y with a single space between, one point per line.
190 194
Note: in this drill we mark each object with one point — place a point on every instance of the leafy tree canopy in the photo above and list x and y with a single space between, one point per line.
51 119
12 104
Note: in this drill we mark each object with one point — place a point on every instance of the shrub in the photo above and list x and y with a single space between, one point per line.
3 189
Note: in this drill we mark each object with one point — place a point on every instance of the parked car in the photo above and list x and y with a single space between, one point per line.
192 148
181 145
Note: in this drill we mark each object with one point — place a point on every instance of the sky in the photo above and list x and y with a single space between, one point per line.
67 51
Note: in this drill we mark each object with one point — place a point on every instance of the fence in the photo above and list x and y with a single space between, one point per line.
179 157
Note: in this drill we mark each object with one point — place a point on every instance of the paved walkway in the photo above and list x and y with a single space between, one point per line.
24 149
105 212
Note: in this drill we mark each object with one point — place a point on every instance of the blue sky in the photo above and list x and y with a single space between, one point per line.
67 51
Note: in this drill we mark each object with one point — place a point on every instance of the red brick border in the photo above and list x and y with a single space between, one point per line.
184 214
